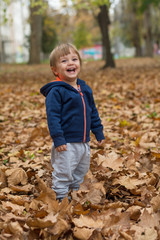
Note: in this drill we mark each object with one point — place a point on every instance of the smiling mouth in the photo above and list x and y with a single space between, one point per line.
71 70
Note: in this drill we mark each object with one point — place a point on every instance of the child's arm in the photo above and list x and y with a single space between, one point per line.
96 126
53 108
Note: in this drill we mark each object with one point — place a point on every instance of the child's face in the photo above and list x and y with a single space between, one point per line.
68 67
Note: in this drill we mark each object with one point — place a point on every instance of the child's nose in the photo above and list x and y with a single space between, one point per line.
70 62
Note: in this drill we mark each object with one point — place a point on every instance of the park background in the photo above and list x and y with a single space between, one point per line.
120 196
34 29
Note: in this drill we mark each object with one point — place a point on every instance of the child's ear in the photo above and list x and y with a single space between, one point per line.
54 71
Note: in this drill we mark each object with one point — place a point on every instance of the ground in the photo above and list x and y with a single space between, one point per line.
120 196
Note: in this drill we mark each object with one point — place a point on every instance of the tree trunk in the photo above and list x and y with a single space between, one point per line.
36 35
103 20
136 24
148 35
137 41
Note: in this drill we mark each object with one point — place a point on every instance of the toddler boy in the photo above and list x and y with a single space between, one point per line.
71 114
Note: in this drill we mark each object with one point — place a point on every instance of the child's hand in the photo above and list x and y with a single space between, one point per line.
61 148
101 142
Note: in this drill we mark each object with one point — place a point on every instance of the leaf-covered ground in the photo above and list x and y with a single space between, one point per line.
120 196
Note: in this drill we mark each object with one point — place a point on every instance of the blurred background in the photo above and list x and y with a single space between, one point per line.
100 29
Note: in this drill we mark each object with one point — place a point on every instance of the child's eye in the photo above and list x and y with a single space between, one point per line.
63 61
75 59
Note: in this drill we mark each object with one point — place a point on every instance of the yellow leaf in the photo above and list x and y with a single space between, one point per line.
157 155
137 141
124 123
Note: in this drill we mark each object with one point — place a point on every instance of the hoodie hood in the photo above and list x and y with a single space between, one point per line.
47 88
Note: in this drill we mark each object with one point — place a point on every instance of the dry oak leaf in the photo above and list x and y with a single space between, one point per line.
82 233
47 221
16 176
94 196
3 182
17 209
78 209
15 228
64 208
148 220
34 205
90 190
147 234
135 212
61 226
18 199
115 219
125 235
156 203
47 196
86 221
145 141
27 188
128 182
2 225
8 217
111 160
6 190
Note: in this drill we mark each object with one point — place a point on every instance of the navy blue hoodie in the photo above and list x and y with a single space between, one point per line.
71 114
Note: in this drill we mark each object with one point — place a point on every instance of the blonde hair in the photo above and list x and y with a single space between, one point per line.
62 50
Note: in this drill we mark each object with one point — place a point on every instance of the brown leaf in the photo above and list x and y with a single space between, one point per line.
82 233
129 182
86 221
147 234
18 200
47 196
61 226
147 220
15 228
135 212
17 209
3 179
27 188
47 221
125 235
16 176
156 203
111 160
78 209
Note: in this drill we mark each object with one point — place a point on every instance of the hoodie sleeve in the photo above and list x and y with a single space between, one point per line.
96 126
53 109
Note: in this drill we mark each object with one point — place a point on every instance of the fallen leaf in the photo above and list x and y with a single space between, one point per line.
16 176
82 233
86 221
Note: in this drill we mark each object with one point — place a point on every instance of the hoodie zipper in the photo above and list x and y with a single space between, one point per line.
84 112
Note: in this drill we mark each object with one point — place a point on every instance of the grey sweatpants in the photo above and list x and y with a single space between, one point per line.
70 167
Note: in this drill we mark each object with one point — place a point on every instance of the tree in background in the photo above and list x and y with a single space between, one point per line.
86 31
104 22
148 8
156 30
81 37
137 25
100 12
87 22
36 9
49 34
129 24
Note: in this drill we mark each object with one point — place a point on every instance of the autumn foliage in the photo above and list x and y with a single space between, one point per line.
120 196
